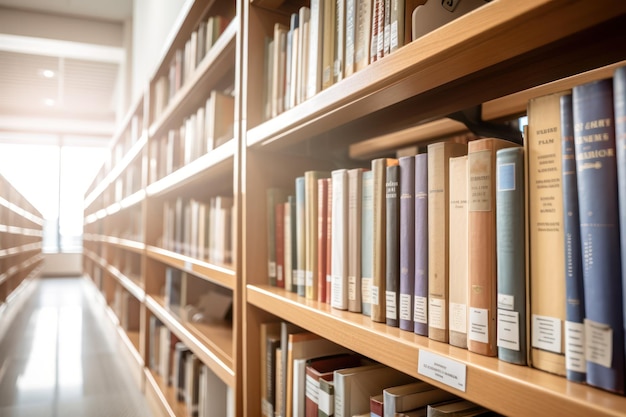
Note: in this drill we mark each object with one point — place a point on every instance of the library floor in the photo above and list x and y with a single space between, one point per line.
59 359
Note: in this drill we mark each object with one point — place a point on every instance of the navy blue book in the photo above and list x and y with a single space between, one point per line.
619 97
575 363
594 136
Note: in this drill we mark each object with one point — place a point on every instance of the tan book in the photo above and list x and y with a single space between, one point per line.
379 169
278 67
355 183
311 235
481 228
220 118
438 211
328 48
546 235
363 33
458 288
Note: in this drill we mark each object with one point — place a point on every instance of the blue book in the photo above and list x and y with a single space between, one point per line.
420 299
407 241
367 242
510 249
594 137
619 97
575 364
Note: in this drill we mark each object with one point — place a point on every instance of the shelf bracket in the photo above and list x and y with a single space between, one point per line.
472 118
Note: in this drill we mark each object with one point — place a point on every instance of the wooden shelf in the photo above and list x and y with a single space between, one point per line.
212 343
131 285
221 275
127 244
496 50
162 396
502 387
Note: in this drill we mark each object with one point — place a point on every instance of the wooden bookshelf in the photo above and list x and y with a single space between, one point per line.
496 57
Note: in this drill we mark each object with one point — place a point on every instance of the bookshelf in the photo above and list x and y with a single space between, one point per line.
20 241
497 57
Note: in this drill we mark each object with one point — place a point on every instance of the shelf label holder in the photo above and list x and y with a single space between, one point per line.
442 369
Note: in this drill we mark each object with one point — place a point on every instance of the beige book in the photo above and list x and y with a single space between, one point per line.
481 228
355 184
310 216
546 235
328 48
458 289
220 119
278 67
363 33
379 169
438 211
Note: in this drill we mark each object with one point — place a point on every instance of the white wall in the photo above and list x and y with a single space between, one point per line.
152 24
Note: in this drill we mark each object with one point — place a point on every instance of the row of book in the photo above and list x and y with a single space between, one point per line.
196 386
126 308
209 127
199 229
304 375
194 300
330 40
186 60
127 139
436 243
128 183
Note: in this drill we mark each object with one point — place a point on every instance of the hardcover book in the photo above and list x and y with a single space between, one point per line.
339 258
274 196
367 243
420 299
355 188
438 222
392 261
407 242
594 138
323 218
546 235
411 396
511 259
300 275
481 229
311 221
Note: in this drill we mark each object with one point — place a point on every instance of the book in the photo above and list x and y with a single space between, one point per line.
323 368
283 382
215 396
481 229
288 242
339 255
300 348
410 396
510 254
326 399
279 65
456 408
300 275
438 222
191 388
420 298
273 197
350 35
294 79
303 53
377 22
329 243
328 48
355 386
377 406
379 217
291 61
311 235
407 242
386 30
316 40
545 233
392 252
220 119
575 364
324 212
293 216
458 256
270 341
340 39
280 244
594 138
355 188
367 242
362 34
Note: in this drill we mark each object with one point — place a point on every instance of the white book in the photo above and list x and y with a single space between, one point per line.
340 39
316 39
339 240
411 396
350 36
303 48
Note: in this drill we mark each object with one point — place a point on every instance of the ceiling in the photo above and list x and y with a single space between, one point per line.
67 83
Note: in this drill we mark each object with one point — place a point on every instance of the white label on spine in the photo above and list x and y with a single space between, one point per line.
271 269
458 317
390 305
309 279
300 278
598 343
420 312
326 403
352 288
312 388
374 294
337 292
366 289
437 313
478 325
405 307
508 329
575 347
546 333
506 302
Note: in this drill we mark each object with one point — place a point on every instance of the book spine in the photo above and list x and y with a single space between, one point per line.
458 258
386 30
300 237
340 39
280 245
363 34
392 242
329 243
355 179
314 81
619 97
350 36
322 239
273 197
377 9
328 49
594 137
438 212
481 228
420 299
575 364
367 243
546 237
311 221
407 242
294 244
511 262
339 261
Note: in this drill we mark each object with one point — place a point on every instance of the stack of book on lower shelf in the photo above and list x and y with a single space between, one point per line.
505 250
306 375
194 384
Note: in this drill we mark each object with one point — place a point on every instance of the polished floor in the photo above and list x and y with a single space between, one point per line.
59 356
